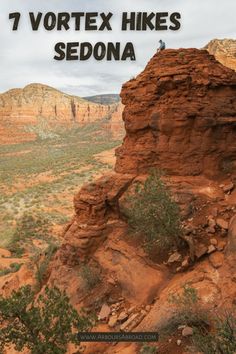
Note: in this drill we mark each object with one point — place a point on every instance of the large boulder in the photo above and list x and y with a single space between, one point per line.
180 116
95 204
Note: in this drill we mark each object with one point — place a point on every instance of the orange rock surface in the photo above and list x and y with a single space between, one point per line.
224 51
94 205
180 115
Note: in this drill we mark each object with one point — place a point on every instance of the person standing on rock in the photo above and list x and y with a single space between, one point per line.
162 46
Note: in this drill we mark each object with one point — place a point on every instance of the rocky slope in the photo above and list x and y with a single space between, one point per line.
224 50
180 115
36 103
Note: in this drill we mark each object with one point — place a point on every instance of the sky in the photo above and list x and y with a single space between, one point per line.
27 57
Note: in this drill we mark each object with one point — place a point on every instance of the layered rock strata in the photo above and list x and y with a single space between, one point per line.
180 116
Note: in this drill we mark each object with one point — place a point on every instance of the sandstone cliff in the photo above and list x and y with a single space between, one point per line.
180 115
224 50
116 124
21 108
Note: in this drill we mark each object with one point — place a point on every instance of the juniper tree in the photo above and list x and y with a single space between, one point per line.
43 325
153 214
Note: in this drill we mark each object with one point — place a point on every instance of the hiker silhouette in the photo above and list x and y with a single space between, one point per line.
162 46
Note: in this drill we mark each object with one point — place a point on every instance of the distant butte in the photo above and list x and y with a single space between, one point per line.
21 109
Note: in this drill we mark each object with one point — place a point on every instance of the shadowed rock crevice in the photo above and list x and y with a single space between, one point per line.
95 205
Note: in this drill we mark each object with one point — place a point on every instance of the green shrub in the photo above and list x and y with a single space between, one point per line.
14 267
15 248
188 311
148 349
28 228
186 299
41 264
6 235
211 334
222 338
90 277
43 325
153 214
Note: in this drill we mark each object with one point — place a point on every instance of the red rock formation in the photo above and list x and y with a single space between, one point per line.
21 108
180 115
94 205
224 51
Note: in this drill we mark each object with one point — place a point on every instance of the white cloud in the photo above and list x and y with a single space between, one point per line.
27 56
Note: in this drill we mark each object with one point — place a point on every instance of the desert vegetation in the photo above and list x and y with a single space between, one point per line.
153 214
188 310
148 349
40 261
90 277
212 332
13 268
222 337
38 180
45 324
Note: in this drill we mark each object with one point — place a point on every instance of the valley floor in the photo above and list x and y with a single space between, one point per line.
37 183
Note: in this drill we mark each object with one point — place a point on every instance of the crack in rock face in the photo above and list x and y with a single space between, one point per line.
95 204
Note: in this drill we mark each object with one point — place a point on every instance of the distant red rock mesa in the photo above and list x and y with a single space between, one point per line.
22 108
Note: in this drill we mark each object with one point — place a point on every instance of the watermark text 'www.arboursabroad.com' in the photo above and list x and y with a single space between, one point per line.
118 337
